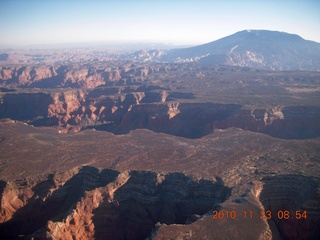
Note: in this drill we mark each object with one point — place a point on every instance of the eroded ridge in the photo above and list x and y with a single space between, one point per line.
296 194
90 203
76 110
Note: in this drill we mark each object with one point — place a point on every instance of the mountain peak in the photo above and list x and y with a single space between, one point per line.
270 34
261 49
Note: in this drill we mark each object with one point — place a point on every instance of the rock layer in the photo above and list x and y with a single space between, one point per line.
88 203
106 204
77 109
293 193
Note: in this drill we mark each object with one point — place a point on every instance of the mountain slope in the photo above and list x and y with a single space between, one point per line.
261 49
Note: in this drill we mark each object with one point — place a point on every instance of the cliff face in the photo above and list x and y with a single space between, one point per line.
197 120
25 106
73 110
88 203
104 204
73 75
292 193
288 122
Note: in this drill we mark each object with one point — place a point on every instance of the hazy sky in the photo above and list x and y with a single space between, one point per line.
169 21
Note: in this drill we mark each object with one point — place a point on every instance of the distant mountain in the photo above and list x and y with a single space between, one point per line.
260 49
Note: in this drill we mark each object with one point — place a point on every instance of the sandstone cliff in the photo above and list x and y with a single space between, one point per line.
73 75
123 111
90 203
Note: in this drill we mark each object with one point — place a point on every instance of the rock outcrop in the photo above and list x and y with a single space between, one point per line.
88 203
197 120
295 194
104 204
25 106
120 113
75 75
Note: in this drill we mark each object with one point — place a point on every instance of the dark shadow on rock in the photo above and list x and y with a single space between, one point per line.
3 185
25 106
180 95
296 194
195 120
38 211
149 88
298 123
51 82
147 198
3 89
45 122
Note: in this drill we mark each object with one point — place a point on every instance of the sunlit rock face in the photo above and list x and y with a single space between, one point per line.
105 204
77 109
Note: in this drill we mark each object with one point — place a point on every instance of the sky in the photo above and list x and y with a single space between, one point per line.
185 22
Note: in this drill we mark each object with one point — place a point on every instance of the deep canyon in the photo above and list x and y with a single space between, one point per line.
132 150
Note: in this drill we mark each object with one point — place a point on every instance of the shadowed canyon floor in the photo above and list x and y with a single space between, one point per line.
147 185
160 151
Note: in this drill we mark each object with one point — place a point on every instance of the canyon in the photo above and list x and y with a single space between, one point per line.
150 150
123 101
75 110
129 187
131 200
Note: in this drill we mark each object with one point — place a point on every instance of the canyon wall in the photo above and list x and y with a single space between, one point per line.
76 75
91 203
104 204
125 110
295 194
